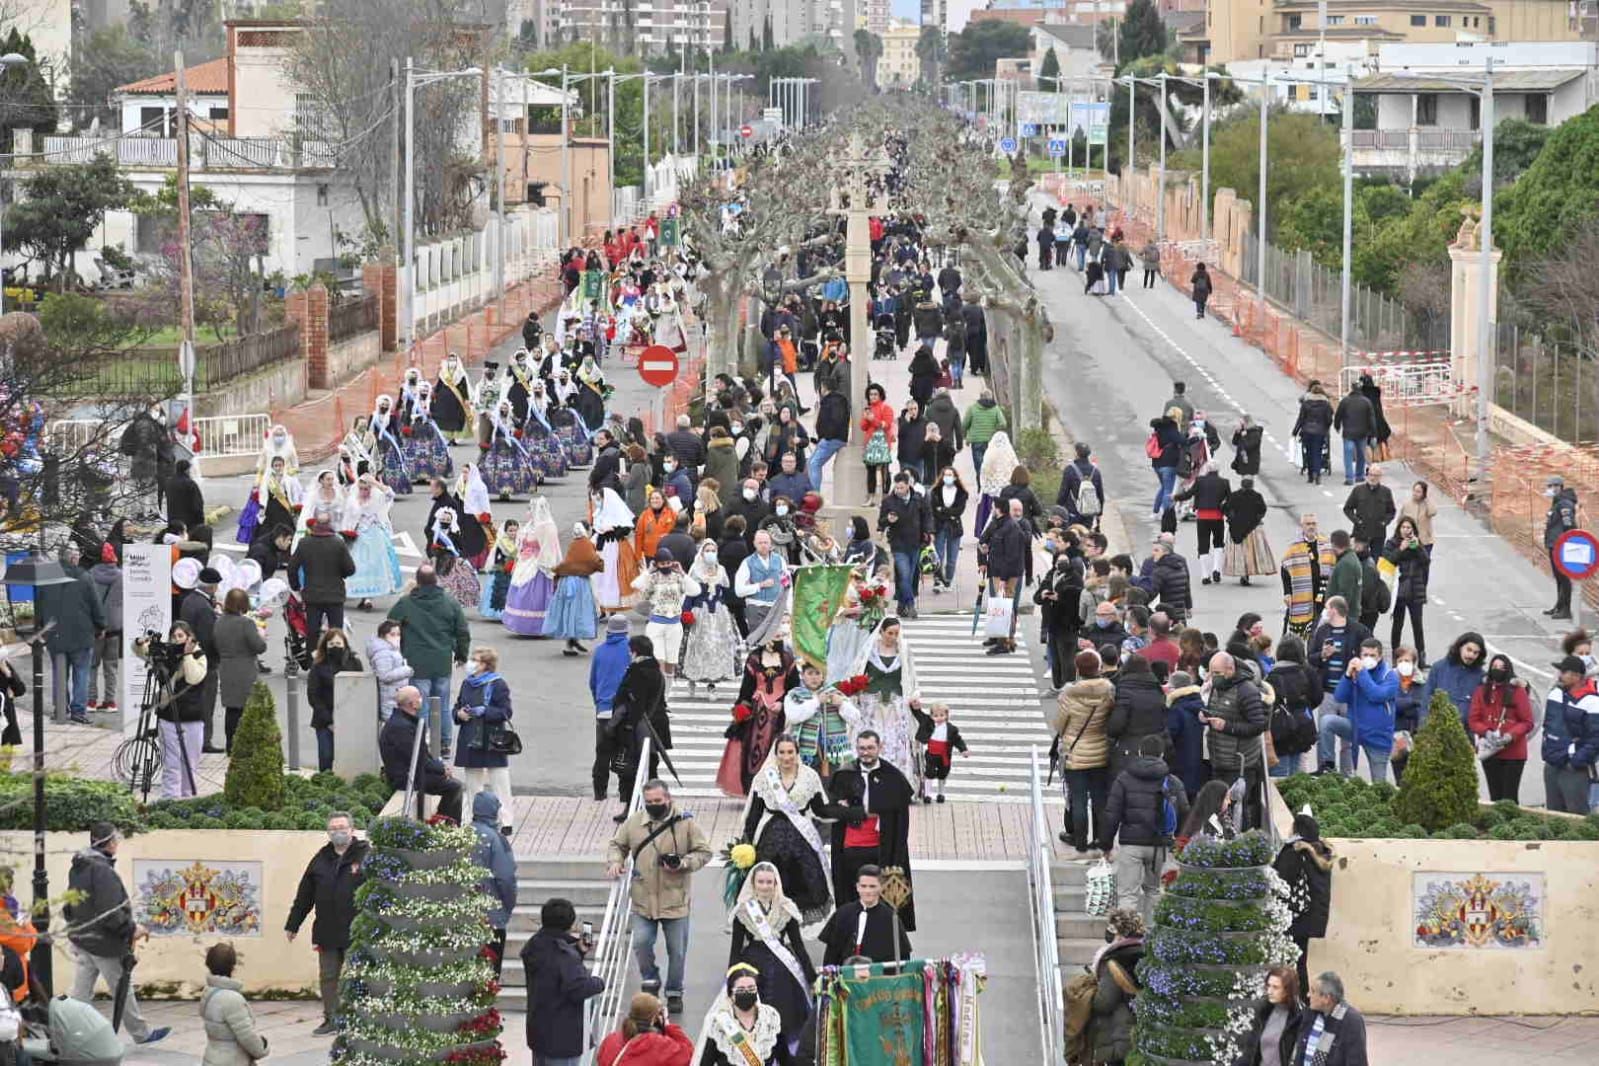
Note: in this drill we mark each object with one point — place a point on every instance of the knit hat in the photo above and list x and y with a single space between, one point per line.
663 555
210 576
616 624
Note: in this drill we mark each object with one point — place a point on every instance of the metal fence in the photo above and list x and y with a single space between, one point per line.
1552 386
153 372
349 317
1314 294
236 358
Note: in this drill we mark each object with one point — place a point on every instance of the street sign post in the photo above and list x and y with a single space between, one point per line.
1057 146
1007 145
1029 130
657 365
746 132
1576 555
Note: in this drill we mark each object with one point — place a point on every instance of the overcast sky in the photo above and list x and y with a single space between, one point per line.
958 10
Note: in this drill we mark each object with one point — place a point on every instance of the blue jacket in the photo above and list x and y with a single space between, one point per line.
1183 708
1370 696
493 853
606 670
794 485
1456 679
488 697
1571 726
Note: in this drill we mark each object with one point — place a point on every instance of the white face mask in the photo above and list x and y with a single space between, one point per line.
474 667
737 427
1406 668
782 510
750 494
668 467
949 479
1369 661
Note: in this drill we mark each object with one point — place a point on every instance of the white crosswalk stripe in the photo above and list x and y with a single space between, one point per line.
995 700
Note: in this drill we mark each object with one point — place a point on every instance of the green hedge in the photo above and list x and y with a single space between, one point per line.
307 803
71 803
1352 808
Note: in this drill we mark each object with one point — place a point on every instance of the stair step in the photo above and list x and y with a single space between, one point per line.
1078 926
1076 953
1069 899
525 916
534 891
1069 873
561 868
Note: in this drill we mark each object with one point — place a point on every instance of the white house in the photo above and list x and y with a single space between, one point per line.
1429 117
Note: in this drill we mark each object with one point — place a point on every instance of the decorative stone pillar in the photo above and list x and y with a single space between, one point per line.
1465 301
309 309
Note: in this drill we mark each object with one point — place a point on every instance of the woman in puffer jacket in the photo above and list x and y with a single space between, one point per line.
230 1035
1140 711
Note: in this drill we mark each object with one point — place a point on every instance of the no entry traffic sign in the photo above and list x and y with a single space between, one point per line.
1576 554
657 365
746 132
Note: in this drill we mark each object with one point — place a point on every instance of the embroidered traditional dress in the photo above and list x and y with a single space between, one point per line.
278 498
758 721
427 453
766 936
538 553
506 467
279 444
573 614
544 449
476 517
778 821
613 536
452 397
711 645
324 493
502 560
391 453
1305 575
456 575
728 1043
890 685
377 564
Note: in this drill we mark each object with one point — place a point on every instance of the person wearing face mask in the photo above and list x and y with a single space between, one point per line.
1561 517
747 504
328 887
666 846
1501 720
389 667
1369 689
332 656
483 713
1236 716
677 480
741 1030
710 646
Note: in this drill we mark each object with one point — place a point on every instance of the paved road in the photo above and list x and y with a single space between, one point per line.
1111 367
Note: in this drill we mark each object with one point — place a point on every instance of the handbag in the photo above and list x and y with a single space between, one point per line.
877 453
1492 743
504 741
1099 893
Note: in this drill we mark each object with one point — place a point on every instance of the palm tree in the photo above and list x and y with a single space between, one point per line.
869 49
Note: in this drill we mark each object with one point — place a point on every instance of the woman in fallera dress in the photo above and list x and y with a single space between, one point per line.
475 516
538 434
769 674
889 696
385 426
455 571
784 798
377 564
497 575
507 469
740 1030
613 536
711 645
427 454
766 935
452 398
538 553
277 451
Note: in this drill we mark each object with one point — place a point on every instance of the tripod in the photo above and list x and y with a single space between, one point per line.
138 759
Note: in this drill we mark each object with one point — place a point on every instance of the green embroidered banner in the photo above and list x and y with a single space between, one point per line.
884 1018
818 594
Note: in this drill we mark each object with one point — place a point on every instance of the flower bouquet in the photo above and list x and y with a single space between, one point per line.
688 618
853 686
739 856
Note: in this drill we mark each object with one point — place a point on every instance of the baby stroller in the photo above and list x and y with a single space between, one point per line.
76 1035
884 341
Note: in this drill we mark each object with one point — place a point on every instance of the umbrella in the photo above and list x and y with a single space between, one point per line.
655 739
119 998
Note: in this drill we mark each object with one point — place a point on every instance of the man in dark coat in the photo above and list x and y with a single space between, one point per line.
79 619
1333 1033
1071 496
607 470
832 428
976 336
687 445
637 710
1562 516
198 607
908 521
317 570
558 983
1134 824
846 936
872 803
185 501
101 926
1005 556
1369 508
1170 585
328 887
1236 715
395 742
1356 419
749 506
1305 864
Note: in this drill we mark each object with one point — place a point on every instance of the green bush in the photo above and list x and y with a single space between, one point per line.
71 804
1440 786
1460 831
255 771
307 804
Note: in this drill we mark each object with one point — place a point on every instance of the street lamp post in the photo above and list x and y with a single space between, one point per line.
1160 206
36 572
7 61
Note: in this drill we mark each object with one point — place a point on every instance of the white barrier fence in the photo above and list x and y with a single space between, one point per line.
457 274
219 434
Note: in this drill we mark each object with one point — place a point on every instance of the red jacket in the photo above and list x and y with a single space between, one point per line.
878 416
1489 707
671 1048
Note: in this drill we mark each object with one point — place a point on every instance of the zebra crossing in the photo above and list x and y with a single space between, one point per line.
997 701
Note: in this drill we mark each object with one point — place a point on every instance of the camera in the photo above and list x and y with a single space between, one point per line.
161 653
672 860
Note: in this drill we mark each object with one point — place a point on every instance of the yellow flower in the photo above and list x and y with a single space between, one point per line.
743 856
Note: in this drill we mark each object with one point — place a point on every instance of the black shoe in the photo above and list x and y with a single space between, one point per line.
79 719
652 987
1204 581
927 799
1560 616
327 1028
991 641
1064 837
674 1002
1215 577
570 653
1243 581
578 647
212 749
619 818
599 797
1549 610
940 798
444 751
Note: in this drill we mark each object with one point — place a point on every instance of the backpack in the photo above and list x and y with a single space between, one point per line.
1087 496
1079 1003
1292 732
1152 448
1168 809
1382 598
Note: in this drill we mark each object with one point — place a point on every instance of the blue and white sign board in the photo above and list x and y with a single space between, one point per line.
1057 146
1029 130
1092 119
1577 554
1007 145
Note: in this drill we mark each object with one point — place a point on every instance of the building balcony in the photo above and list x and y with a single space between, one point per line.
1411 151
161 153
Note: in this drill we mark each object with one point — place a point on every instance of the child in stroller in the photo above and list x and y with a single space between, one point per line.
884 341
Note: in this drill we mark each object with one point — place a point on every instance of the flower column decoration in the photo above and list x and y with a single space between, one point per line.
418 985
1217 930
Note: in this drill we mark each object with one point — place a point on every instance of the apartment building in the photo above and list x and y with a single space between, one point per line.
793 22
899 66
639 27
875 16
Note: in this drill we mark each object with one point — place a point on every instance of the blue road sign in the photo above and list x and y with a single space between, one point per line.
1057 146
1029 130
1007 145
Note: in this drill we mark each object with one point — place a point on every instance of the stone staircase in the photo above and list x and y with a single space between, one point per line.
581 880
1078 934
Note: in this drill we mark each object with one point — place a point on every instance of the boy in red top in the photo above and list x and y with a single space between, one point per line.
941 739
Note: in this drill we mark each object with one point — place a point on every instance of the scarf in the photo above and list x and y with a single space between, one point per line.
1297 560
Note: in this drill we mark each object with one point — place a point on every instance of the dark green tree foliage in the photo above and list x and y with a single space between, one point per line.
60 209
103 60
1304 153
767 42
1440 785
25 96
974 51
1142 31
1556 195
1050 67
255 770
727 31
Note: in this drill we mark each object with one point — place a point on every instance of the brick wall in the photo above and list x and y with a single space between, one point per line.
381 280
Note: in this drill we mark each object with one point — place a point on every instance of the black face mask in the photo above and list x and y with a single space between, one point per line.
746 1000
657 811
1110 934
1499 675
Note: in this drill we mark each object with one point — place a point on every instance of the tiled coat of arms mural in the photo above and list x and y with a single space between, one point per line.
1478 911
223 898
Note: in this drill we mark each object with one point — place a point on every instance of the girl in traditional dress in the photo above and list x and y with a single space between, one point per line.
506 469
390 453
427 454
613 536
573 614
538 553
486 400
324 493
502 560
710 648
278 447
452 398
889 696
538 434
1248 552
408 392
347 469
769 674
455 571
277 500
377 564
519 377
999 463
784 796
740 1030
865 603
823 720
766 935
475 516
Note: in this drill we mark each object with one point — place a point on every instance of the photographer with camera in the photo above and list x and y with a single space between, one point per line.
666 845
558 983
178 670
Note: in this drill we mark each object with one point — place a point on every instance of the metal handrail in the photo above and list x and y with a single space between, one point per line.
615 941
1046 954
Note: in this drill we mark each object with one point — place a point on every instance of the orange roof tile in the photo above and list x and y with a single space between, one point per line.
209 78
